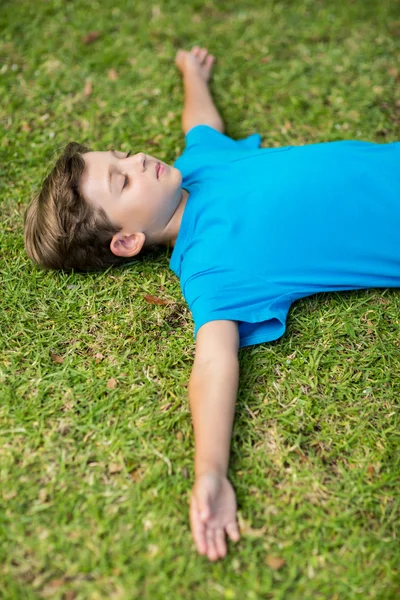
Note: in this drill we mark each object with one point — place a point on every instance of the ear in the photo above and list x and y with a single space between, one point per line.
124 244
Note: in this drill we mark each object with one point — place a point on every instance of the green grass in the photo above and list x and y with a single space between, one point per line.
96 476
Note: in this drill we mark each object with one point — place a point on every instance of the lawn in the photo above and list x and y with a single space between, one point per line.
96 438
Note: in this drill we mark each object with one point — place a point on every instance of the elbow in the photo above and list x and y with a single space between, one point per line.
218 125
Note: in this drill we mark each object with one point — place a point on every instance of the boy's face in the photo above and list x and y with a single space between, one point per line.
133 192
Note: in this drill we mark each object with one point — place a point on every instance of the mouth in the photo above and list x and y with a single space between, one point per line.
159 170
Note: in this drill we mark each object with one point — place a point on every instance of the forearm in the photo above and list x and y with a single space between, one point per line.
199 107
212 394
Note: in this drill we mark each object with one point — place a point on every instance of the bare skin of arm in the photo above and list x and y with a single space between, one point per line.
213 389
199 107
214 379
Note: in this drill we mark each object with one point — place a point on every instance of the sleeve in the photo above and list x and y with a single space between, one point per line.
219 293
203 138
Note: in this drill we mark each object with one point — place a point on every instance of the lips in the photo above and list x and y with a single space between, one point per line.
159 170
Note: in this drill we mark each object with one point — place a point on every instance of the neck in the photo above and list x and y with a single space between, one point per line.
172 229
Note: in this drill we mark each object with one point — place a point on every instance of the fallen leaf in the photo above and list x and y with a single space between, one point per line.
99 357
266 59
56 358
370 470
246 529
112 75
56 583
90 37
87 91
26 127
275 562
137 474
155 300
115 468
111 383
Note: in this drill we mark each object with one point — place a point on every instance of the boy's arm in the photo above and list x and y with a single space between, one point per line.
213 388
199 107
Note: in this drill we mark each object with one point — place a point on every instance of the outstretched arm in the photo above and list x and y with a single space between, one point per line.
199 107
213 388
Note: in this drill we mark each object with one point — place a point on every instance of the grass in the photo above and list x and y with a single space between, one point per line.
96 438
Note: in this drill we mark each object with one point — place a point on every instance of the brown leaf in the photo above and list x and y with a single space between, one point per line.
56 583
266 59
275 562
115 468
87 90
137 474
370 470
56 358
26 127
99 357
112 75
111 383
155 300
247 529
90 37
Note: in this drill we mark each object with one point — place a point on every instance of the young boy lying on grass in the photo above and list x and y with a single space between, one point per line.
252 230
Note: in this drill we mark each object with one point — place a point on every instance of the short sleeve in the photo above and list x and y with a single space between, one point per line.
205 138
226 294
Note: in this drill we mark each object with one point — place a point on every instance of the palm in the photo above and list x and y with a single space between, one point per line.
223 504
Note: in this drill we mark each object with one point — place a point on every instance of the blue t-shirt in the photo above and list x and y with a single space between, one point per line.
263 227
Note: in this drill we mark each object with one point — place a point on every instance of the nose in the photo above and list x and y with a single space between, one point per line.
141 160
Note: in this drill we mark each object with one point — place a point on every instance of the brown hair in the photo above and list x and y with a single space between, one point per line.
62 230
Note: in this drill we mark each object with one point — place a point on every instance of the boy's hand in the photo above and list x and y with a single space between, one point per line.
213 514
197 61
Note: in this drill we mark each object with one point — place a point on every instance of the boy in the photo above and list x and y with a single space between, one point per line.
252 230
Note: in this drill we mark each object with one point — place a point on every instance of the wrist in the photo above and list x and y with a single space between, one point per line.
218 470
192 75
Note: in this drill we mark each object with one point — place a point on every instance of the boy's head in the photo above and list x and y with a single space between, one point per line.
98 209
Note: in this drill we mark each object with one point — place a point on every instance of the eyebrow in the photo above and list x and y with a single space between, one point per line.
113 152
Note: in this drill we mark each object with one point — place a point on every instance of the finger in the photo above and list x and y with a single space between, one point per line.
220 542
195 50
211 548
198 529
209 61
202 54
232 530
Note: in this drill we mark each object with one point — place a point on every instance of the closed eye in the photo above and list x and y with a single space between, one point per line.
126 178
